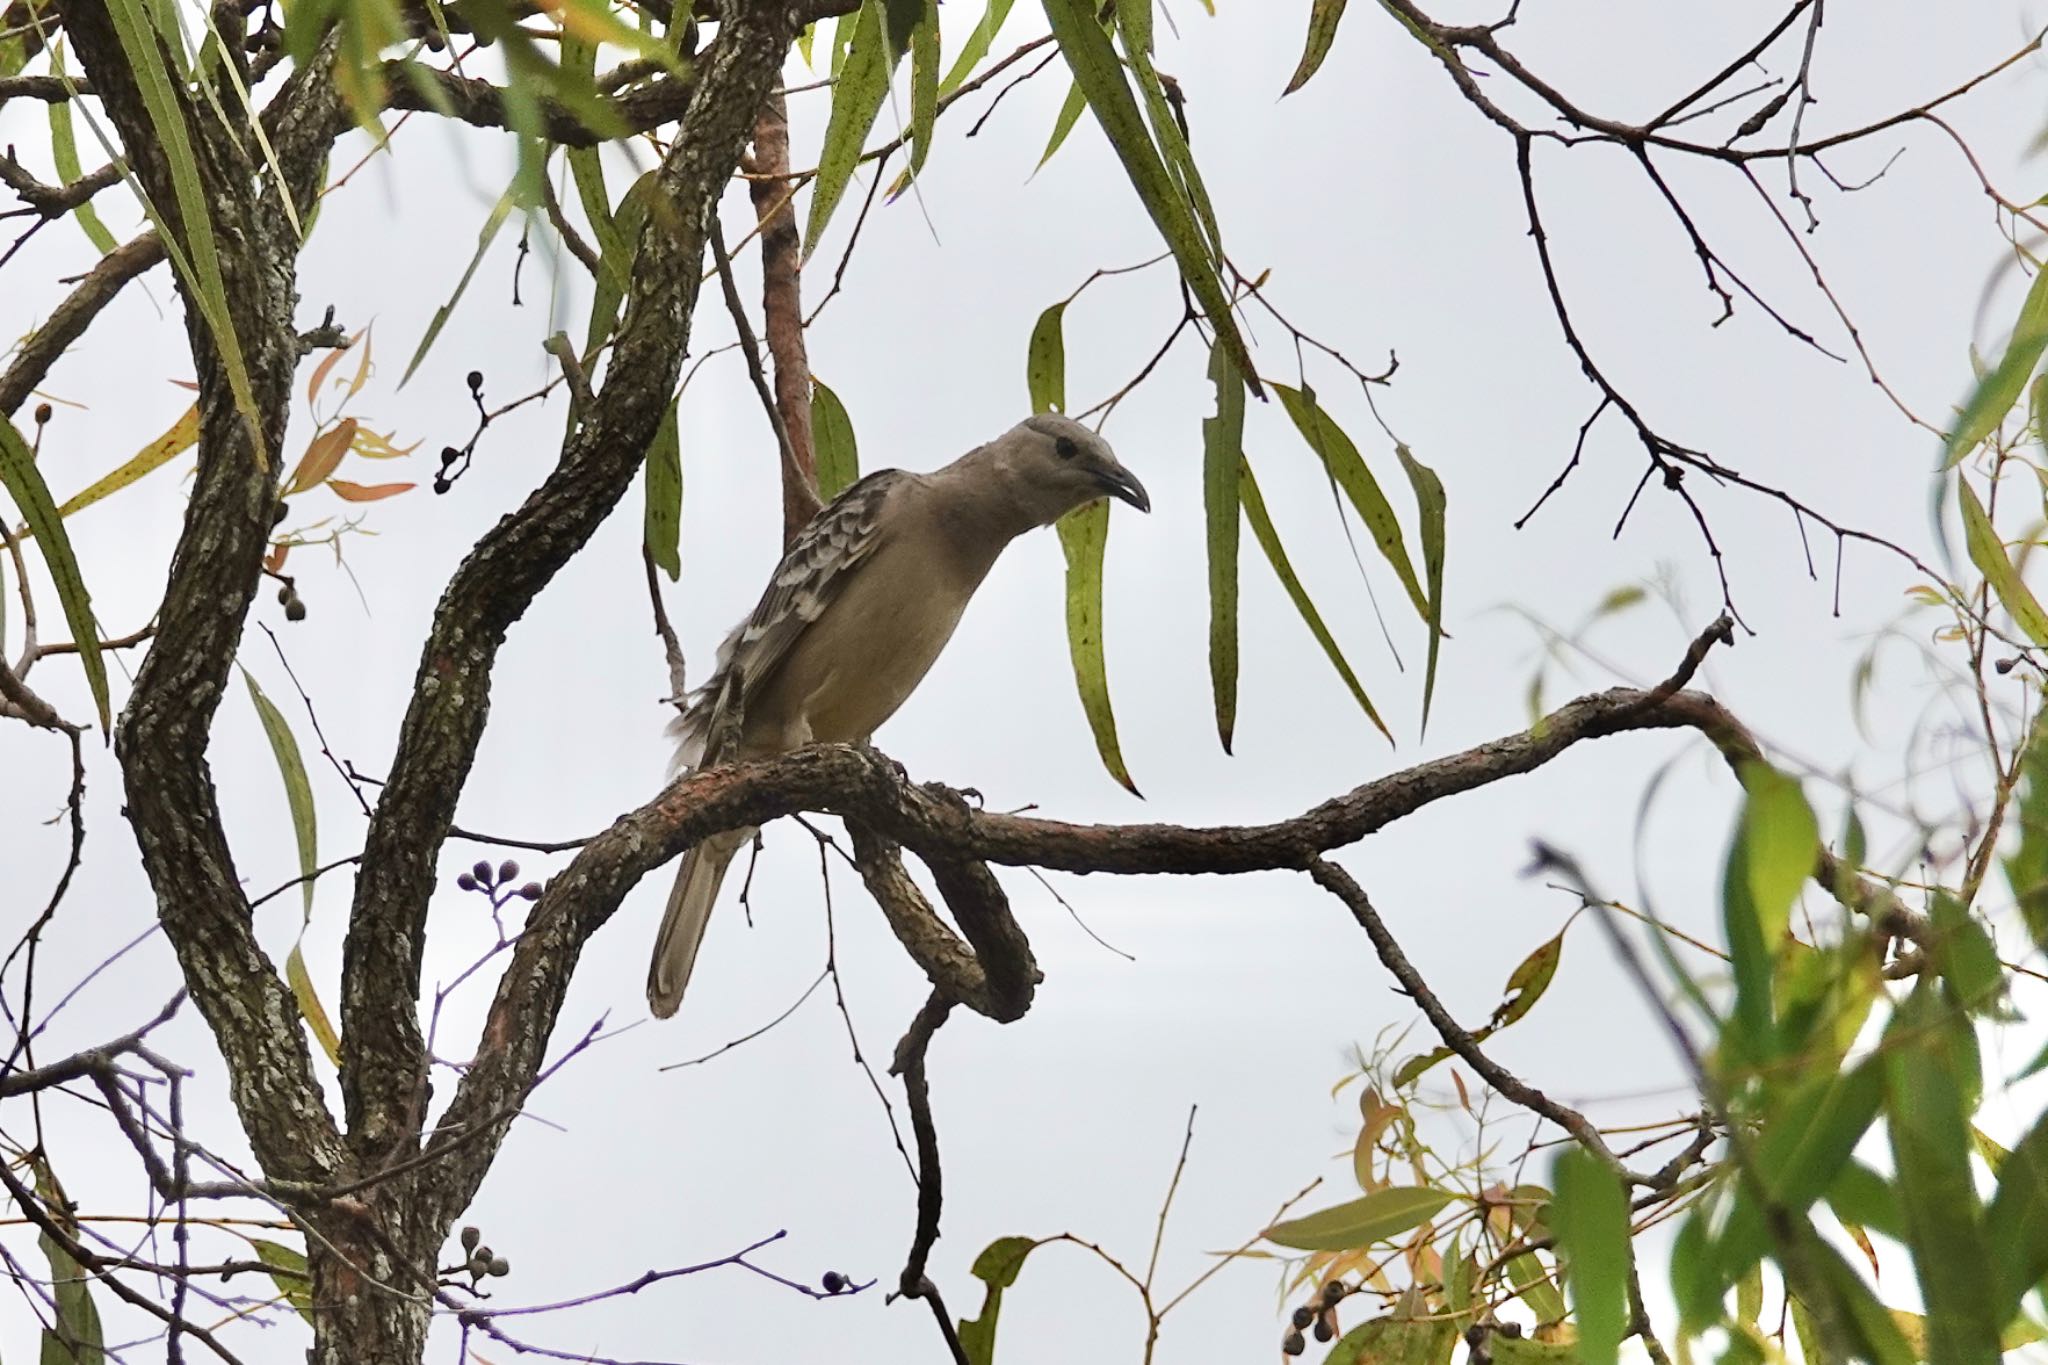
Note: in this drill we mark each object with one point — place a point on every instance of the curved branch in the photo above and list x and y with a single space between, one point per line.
67 323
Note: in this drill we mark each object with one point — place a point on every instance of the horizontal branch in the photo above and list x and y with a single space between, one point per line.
68 321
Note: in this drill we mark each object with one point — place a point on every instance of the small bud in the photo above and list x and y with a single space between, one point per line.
1292 1344
467 883
295 610
499 1266
470 1237
1326 1327
482 872
449 455
440 484
1304 1316
2005 665
508 871
530 891
833 1281
476 381
44 412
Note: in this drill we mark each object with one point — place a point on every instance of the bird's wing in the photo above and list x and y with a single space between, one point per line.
812 573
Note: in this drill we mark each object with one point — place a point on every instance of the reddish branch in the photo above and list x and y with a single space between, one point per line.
782 310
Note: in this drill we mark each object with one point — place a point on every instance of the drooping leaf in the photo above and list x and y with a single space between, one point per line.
1322 30
2016 1223
1782 841
288 1273
997 1267
1346 467
492 222
2026 867
1965 953
1988 554
857 98
1063 123
1931 1150
182 436
1526 985
979 38
1430 505
1045 361
192 250
1100 77
1362 1222
64 157
838 455
924 82
663 524
298 790
1222 456
1811 1132
1590 1218
1084 535
1269 541
24 484
2000 388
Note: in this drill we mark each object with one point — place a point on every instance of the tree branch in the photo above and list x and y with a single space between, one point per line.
384 1062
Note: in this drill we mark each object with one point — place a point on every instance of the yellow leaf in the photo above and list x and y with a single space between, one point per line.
183 434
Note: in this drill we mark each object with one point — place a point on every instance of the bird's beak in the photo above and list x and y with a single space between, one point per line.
1119 482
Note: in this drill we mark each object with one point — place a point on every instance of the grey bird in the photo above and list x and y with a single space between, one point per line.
855 616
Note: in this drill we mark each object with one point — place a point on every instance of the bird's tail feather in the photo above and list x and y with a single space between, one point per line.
689 911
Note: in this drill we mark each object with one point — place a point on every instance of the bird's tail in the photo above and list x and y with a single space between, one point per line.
689 910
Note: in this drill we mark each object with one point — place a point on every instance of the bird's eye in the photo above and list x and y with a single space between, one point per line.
1066 447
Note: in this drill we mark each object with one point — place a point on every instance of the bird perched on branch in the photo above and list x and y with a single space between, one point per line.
855 616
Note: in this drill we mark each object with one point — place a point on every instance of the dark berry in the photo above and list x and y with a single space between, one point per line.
508 871
1325 1329
470 1237
530 891
476 380
1292 1344
482 872
833 1281
1304 1316
465 881
295 610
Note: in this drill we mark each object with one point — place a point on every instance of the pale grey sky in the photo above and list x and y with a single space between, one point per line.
1389 215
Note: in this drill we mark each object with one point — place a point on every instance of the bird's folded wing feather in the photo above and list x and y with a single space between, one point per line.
811 575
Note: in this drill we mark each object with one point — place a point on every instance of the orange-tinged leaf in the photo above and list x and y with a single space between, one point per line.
318 379
274 561
355 386
323 454
367 492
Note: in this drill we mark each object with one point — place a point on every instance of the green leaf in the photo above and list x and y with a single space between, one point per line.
1222 457
298 791
1590 1218
924 83
1782 842
1084 534
1526 985
977 45
1045 362
1346 468
997 1267
1063 123
1988 554
288 1273
64 156
1931 1149
837 454
1964 951
1536 1288
1507 1350
1100 76
663 524
192 250
856 99
1322 30
1430 504
1999 389
1269 541
1358 1223
496 219
2016 1224
2026 867
1862 1198
1810 1134
24 484
1396 1341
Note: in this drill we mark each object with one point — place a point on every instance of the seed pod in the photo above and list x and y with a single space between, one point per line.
1292 1344
508 871
470 1237
482 872
833 1281
530 891
295 610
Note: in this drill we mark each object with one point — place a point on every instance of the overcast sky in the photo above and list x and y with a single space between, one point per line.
1389 216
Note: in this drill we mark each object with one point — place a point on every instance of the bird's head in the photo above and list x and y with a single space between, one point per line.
1055 465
